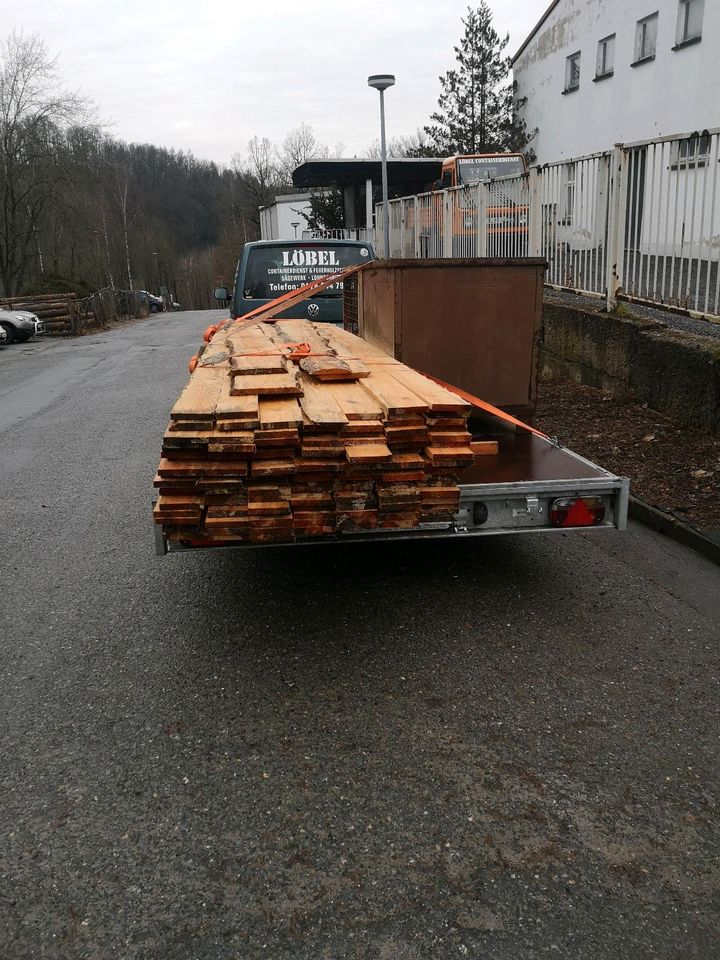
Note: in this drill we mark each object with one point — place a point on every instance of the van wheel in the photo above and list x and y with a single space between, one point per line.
10 331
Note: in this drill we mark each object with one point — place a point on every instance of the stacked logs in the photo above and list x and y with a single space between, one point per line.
58 311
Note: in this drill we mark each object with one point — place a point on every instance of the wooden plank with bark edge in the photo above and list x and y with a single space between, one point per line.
319 404
348 345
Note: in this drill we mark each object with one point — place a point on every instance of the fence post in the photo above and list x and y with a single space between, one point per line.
616 226
482 224
447 238
534 214
416 222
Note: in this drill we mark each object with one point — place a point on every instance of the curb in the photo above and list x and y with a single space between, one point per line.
661 521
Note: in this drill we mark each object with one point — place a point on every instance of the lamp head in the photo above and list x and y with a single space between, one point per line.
381 81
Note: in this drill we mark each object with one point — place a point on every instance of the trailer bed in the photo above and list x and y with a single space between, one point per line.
510 493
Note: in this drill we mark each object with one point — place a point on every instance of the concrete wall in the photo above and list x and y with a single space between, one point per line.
674 372
677 92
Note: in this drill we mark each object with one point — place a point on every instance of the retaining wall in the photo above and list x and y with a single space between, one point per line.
674 372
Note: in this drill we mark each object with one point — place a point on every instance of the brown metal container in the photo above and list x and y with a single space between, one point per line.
473 323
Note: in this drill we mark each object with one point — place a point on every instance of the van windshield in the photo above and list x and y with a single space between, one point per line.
272 271
488 168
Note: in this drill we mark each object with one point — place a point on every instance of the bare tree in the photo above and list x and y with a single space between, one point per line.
34 111
416 144
258 175
299 146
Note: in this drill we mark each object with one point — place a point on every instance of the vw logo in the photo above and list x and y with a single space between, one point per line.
313 309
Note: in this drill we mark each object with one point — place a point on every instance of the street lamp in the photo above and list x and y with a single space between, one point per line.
381 81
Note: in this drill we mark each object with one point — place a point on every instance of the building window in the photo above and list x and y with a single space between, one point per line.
689 23
572 72
646 39
605 58
691 151
567 195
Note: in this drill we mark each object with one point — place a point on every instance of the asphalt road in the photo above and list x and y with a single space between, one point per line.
503 749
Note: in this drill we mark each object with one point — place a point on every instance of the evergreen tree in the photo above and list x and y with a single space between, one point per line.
476 111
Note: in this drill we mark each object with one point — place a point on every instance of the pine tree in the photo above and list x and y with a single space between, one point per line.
476 110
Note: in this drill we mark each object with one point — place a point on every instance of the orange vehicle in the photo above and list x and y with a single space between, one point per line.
458 171
505 205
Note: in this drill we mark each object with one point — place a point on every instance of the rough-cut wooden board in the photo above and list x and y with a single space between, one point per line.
200 396
252 364
355 402
393 396
237 408
280 413
319 403
363 428
448 454
265 385
487 448
234 446
436 397
368 453
272 468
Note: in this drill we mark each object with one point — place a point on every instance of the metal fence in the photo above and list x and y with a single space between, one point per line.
343 233
638 222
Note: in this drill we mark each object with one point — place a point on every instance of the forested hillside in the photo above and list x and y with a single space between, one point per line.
81 210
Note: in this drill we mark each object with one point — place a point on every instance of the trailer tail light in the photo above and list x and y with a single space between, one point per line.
577 512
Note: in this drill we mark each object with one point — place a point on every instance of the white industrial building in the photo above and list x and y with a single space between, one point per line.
600 72
286 218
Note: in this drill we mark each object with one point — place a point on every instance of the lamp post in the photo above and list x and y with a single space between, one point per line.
381 81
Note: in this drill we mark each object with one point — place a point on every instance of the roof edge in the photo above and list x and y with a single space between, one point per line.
535 29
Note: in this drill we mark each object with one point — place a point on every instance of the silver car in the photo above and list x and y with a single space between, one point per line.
3 337
20 325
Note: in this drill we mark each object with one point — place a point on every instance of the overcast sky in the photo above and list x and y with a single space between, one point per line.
206 75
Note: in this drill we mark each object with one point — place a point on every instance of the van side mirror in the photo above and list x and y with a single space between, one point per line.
221 293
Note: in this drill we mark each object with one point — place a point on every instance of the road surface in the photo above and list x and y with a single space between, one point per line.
502 749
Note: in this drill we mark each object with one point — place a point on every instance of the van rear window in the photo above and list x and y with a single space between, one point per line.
272 271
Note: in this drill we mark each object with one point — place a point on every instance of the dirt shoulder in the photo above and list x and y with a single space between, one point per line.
669 465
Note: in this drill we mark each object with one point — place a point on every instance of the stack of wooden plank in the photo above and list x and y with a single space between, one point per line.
289 430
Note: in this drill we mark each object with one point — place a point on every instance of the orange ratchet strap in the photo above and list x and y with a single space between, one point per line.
484 405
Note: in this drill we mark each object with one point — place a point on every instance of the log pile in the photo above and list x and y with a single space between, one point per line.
289 430
59 311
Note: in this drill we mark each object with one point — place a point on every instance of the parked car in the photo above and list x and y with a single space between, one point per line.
154 304
20 325
3 337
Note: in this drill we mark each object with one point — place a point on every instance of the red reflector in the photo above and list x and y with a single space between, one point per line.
577 512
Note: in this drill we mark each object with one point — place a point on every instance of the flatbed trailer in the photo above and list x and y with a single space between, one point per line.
477 324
